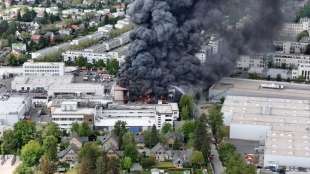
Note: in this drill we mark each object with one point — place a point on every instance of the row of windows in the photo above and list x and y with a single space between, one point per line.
68 119
42 70
36 67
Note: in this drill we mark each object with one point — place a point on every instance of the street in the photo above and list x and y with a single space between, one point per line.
216 162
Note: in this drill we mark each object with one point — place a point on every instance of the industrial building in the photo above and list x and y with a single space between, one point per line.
70 113
77 89
13 109
44 68
282 124
27 83
56 85
256 88
102 51
138 117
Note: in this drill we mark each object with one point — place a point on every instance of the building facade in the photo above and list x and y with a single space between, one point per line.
70 113
251 61
44 69
290 60
138 117
281 124
14 109
71 56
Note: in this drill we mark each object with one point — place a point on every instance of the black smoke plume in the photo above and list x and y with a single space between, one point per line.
170 32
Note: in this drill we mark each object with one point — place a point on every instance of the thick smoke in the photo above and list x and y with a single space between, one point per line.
170 32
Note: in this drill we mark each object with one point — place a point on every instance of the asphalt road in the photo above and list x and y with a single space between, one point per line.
216 162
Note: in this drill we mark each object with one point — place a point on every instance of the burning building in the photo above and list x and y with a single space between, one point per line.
170 32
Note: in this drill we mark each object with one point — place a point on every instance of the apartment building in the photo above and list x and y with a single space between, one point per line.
251 61
290 60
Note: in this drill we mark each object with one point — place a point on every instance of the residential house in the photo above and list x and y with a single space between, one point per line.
78 141
157 171
174 138
160 152
18 48
69 155
136 168
65 31
36 38
180 158
144 151
108 142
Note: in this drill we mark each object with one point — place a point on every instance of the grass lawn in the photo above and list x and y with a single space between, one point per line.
72 171
164 165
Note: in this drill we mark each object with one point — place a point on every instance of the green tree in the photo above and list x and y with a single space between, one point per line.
127 163
226 151
188 128
86 166
154 136
185 113
81 61
236 165
89 154
197 159
4 26
304 12
46 166
9 142
101 165
23 169
201 137
167 127
31 153
112 66
151 137
302 35
128 138
215 120
113 165
82 129
186 105
131 151
24 132
52 129
119 130
50 147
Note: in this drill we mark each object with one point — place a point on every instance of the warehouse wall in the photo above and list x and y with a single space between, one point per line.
286 160
248 132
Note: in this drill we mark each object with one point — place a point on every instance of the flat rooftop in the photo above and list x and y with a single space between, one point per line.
12 105
78 111
288 119
246 87
43 80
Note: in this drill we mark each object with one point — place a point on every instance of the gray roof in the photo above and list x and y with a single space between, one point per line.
158 147
67 150
136 167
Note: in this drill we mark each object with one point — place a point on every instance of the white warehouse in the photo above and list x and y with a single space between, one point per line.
138 117
13 109
283 124
44 68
